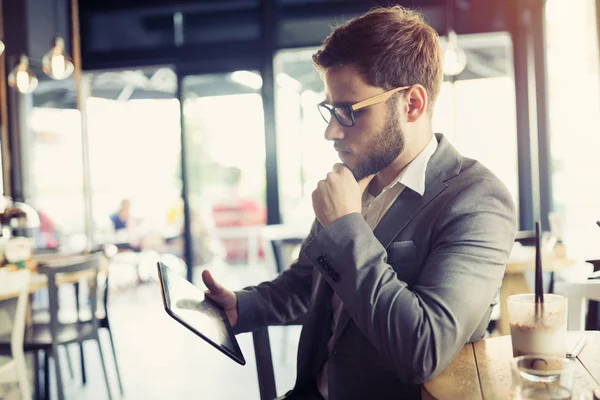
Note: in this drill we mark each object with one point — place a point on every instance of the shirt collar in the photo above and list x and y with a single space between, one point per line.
413 175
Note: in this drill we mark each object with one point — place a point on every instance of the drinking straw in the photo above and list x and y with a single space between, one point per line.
539 289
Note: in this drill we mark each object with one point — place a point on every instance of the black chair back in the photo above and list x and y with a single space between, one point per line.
75 265
280 246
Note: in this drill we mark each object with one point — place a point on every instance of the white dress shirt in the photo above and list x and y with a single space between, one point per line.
373 210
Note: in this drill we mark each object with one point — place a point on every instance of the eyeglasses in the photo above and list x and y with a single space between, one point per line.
345 114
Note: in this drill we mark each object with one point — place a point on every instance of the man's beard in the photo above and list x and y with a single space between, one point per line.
382 149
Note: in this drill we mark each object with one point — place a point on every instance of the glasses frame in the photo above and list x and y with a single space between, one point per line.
380 98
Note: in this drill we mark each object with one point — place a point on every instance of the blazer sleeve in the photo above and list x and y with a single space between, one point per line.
280 301
419 329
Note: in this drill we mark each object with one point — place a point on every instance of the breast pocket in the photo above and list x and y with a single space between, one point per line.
402 256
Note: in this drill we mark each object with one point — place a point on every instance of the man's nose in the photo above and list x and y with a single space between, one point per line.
334 130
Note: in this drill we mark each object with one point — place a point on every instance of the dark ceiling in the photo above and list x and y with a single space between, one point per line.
131 32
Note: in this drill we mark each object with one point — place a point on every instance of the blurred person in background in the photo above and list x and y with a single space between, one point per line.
124 225
121 218
47 236
235 210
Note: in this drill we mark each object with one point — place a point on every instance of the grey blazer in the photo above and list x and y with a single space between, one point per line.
415 290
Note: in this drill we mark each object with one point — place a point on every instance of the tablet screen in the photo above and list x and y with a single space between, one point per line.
188 305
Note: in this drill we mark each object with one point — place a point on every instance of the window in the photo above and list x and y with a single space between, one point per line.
135 155
574 120
55 172
304 155
478 114
225 157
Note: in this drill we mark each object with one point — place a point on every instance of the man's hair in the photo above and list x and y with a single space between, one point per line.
391 47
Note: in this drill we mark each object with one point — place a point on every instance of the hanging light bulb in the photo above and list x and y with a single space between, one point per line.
1 47
22 77
56 63
455 59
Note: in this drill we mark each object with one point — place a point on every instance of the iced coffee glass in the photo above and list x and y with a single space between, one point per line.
544 336
542 377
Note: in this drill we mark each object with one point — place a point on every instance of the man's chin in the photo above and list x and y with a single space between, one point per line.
358 174
361 173
350 166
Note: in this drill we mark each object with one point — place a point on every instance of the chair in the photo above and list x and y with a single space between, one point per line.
103 321
15 370
264 364
593 317
40 313
282 242
109 251
47 337
578 294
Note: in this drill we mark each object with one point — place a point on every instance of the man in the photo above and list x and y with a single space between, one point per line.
404 262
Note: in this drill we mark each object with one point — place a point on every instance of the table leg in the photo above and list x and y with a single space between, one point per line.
593 321
511 284
29 314
46 375
37 395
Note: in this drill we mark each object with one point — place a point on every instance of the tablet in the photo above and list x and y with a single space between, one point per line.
188 305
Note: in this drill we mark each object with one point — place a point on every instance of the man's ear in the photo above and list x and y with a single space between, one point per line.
416 102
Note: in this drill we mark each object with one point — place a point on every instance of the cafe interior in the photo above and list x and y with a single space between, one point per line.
187 132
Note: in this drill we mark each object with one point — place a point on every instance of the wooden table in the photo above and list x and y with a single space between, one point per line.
39 281
514 281
482 371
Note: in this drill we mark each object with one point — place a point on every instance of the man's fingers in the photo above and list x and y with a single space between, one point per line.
210 282
364 182
338 167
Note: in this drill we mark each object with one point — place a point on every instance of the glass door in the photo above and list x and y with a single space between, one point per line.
133 120
224 150
483 130
54 175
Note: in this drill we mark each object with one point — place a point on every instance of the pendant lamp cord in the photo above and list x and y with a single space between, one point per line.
56 24
449 15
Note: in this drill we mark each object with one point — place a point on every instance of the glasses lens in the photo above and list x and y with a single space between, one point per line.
325 112
344 116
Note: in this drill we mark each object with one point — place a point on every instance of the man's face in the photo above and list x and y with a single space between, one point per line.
376 139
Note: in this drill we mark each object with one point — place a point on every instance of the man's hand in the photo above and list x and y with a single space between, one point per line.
339 194
222 296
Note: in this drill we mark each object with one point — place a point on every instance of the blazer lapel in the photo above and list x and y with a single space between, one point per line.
404 209
444 164
342 324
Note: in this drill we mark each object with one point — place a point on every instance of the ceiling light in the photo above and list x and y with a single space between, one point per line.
455 59
22 78
56 63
